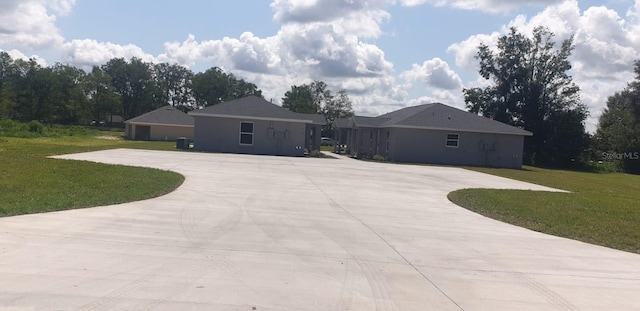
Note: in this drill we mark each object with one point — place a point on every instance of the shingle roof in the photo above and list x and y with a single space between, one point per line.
342 123
166 115
259 108
369 121
439 116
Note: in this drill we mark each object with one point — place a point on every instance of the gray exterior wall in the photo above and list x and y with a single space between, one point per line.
313 137
429 146
269 137
365 142
161 132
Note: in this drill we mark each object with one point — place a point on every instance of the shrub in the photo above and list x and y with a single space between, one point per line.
315 153
604 167
379 158
8 125
35 127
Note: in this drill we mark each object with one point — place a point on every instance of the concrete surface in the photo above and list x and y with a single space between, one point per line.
272 233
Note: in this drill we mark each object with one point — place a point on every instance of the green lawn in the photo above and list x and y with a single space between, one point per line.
602 209
32 183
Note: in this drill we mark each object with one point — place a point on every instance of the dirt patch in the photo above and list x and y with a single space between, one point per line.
107 137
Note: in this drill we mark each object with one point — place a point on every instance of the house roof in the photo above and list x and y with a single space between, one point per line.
437 116
253 107
342 123
166 115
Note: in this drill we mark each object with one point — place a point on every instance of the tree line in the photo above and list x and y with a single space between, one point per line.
64 94
530 88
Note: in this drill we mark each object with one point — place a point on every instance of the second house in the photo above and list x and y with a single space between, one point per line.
255 126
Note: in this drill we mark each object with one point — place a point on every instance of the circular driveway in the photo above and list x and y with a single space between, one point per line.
275 233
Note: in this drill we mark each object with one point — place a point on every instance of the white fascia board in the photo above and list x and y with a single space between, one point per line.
249 117
161 124
458 130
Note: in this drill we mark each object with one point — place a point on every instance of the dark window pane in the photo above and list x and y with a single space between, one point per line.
246 139
452 143
246 127
452 136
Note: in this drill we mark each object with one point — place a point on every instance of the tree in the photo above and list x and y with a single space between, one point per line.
67 100
7 95
299 99
135 84
215 86
532 90
175 83
317 98
338 107
103 99
618 133
33 88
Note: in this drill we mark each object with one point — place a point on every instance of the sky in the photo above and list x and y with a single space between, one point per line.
387 54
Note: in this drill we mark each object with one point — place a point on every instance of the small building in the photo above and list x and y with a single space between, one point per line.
165 123
436 134
255 126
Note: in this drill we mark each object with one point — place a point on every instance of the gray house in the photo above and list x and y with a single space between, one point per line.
434 133
165 123
256 126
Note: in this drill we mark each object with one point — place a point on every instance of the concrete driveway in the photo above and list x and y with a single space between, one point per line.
273 233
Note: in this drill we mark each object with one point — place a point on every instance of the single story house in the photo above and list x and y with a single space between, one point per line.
255 126
433 133
165 123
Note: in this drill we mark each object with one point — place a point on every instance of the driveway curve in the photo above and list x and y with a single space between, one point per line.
273 233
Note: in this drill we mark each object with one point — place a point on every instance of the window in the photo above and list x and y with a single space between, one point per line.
453 140
246 133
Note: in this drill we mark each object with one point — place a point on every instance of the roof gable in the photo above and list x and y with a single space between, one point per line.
166 115
441 117
257 108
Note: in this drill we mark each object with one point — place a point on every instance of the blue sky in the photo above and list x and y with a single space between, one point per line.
386 53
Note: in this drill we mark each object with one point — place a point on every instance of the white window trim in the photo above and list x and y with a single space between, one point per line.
456 140
253 129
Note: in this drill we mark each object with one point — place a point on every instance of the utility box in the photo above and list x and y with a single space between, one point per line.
182 143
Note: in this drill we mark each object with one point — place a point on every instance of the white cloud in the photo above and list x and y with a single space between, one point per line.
185 53
87 52
62 7
247 53
436 73
491 6
465 51
29 25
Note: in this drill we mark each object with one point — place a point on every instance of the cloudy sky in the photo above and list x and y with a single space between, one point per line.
386 53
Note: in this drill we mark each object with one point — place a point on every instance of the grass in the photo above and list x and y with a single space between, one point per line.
602 208
32 183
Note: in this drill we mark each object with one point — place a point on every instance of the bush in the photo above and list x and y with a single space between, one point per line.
35 127
604 167
379 158
315 153
8 125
